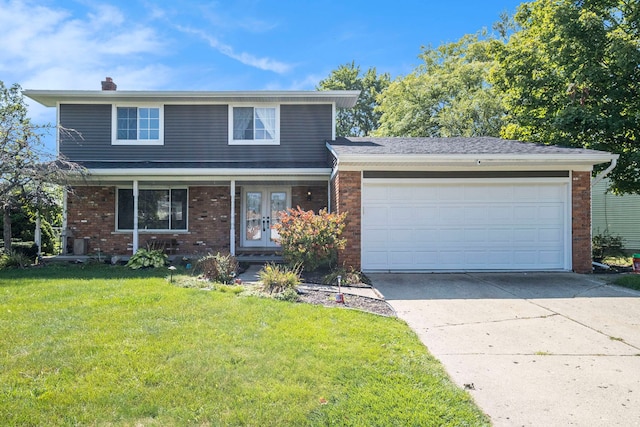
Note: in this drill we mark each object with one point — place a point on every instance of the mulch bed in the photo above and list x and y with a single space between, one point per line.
328 299
321 296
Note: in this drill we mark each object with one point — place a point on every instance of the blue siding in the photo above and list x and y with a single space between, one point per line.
198 133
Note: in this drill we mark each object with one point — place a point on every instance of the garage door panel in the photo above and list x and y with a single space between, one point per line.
377 215
500 235
551 212
428 226
476 214
451 215
555 234
476 235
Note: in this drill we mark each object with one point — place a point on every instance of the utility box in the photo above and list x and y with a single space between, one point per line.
80 246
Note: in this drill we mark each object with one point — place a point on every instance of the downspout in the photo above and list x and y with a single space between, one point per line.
64 234
604 173
232 232
334 172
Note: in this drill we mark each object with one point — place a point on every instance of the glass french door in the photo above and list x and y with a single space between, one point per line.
261 211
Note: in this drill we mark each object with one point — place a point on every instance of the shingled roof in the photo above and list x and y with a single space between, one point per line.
446 146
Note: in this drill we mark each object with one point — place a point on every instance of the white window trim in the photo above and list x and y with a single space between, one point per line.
275 141
153 230
114 125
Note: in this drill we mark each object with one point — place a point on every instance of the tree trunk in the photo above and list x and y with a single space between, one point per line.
7 228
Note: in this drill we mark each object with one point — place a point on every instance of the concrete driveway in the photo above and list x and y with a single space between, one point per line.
533 349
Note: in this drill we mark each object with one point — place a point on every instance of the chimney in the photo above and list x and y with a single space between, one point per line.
108 84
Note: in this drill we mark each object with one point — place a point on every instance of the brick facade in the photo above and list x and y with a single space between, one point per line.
581 221
91 216
318 197
347 197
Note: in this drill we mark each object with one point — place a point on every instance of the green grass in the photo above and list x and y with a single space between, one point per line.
109 346
629 281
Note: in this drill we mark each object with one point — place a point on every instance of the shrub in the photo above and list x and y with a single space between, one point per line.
145 258
15 259
309 239
290 295
349 277
277 278
220 268
606 245
28 249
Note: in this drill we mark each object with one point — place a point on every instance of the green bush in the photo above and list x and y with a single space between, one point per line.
349 277
145 258
28 249
290 295
15 260
220 268
309 239
277 278
606 245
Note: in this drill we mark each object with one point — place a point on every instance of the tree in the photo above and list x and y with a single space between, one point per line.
25 167
361 120
571 77
447 95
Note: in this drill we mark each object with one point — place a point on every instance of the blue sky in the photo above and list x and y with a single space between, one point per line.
226 45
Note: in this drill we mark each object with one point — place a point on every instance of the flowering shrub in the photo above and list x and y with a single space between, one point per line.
310 240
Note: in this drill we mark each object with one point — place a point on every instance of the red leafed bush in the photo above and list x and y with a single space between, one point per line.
309 239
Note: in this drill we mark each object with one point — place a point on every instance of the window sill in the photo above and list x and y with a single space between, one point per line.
152 232
136 142
254 142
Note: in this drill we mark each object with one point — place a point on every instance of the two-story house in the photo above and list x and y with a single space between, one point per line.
210 171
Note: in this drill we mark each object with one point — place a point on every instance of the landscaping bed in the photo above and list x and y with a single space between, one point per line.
326 298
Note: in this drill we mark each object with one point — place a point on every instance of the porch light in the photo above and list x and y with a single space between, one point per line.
309 195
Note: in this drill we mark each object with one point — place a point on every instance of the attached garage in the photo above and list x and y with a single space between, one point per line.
464 204
465 224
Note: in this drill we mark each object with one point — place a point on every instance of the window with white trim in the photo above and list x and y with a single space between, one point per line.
254 125
137 125
158 209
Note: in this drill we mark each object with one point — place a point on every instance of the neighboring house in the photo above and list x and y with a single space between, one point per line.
210 171
616 215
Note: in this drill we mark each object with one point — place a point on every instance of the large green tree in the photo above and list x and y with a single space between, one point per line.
447 95
26 168
361 120
571 76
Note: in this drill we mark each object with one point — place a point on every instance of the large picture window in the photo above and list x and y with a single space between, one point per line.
137 125
253 125
158 209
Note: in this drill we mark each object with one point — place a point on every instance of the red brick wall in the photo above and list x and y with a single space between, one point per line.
318 197
91 215
581 221
347 193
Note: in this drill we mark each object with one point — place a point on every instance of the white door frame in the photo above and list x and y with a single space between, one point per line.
263 221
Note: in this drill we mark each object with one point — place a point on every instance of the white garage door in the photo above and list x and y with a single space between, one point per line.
463 225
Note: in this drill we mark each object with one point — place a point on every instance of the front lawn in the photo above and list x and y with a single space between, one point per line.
629 281
106 345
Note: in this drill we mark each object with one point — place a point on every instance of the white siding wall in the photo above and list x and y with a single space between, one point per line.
617 215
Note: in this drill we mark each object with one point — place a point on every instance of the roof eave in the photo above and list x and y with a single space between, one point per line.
50 98
576 161
190 174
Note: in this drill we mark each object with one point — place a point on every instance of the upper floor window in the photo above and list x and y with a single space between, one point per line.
254 125
138 125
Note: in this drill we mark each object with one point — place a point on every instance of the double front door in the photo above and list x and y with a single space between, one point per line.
261 211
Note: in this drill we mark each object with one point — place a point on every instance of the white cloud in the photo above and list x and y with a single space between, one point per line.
50 48
264 63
